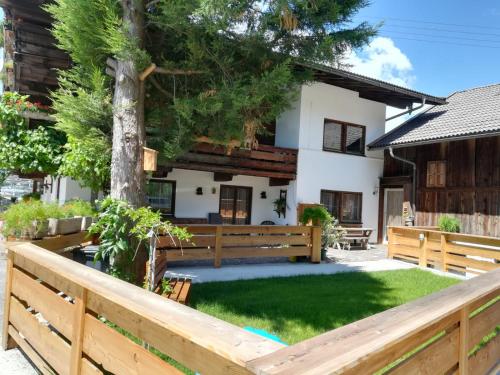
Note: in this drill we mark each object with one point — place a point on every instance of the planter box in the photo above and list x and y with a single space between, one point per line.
86 222
37 230
65 226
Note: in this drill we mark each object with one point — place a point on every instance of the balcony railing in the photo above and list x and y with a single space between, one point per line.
264 161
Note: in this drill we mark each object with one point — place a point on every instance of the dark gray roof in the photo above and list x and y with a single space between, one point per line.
468 114
370 88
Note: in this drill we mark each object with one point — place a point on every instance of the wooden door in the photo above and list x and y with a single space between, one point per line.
235 204
393 209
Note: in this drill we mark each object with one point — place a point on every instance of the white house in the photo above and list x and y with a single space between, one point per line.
316 155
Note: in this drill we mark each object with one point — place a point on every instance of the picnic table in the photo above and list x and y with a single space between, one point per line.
355 235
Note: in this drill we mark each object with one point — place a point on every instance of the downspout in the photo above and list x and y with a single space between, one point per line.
414 181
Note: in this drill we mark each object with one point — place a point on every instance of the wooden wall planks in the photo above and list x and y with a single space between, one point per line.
472 191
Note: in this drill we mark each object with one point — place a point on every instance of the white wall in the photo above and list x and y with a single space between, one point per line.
288 125
68 189
190 205
318 169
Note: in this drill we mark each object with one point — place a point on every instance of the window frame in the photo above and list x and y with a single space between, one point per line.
437 167
340 205
250 202
174 189
343 137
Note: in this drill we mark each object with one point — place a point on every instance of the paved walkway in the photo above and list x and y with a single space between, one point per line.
376 252
254 271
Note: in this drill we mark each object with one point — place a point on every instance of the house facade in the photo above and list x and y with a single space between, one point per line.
316 154
455 149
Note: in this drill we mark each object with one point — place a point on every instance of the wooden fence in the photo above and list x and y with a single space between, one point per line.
55 310
63 315
217 242
447 251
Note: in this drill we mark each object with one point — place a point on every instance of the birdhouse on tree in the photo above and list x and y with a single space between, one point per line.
150 159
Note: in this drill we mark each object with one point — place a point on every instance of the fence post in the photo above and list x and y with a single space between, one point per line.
218 246
77 334
463 357
443 252
315 244
390 245
422 260
6 307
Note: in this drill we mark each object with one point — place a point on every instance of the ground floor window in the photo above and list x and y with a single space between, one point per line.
161 195
344 206
235 204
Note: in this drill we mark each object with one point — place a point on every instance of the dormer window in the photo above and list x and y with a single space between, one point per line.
344 137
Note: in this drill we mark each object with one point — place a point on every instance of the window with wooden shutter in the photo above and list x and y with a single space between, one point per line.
436 173
343 137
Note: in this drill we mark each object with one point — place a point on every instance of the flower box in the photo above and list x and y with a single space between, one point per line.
38 229
86 222
65 226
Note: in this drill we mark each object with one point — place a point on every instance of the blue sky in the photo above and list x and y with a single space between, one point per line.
458 46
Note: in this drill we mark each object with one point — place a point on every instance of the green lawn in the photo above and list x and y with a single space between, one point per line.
297 308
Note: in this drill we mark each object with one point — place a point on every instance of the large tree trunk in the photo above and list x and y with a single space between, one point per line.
127 174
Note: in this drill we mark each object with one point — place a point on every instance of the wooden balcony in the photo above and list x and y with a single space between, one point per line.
276 163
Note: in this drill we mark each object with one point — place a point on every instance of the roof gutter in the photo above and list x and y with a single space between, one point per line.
414 182
437 140
409 111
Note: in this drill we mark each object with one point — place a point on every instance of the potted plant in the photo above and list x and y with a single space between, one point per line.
319 216
28 219
314 216
447 223
81 209
76 216
280 206
332 235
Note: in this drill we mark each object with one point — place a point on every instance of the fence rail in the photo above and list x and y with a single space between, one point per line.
55 310
217 242
448 251
72 338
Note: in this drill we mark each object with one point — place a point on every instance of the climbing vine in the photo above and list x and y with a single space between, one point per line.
23 148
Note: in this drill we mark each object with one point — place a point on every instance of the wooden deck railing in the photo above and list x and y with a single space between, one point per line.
55 310
448 251
72 338
217 242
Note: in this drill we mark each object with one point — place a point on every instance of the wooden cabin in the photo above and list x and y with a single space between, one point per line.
456 150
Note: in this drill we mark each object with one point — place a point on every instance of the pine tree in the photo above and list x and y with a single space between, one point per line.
221 67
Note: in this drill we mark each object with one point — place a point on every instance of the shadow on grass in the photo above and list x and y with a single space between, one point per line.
297 308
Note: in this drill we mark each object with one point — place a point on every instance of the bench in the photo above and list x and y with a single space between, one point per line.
179 290
354 235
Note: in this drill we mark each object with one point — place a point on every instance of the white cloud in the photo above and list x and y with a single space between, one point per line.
381 59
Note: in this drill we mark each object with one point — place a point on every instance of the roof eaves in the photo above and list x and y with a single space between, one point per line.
440 139
375 82
371 145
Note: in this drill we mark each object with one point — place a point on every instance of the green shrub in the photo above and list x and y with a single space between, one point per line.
78 207
31 196
19 217
317 215
124 230
448 223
